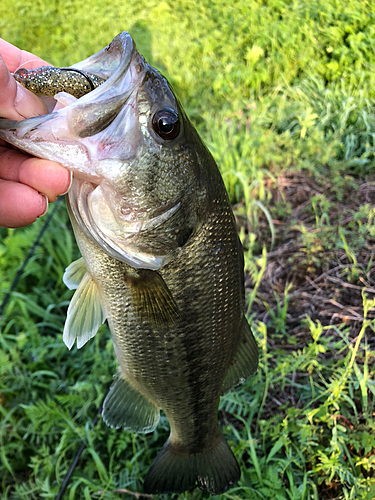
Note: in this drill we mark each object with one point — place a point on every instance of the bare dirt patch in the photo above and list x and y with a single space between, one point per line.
326 281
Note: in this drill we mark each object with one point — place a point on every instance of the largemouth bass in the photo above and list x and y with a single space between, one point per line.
161 260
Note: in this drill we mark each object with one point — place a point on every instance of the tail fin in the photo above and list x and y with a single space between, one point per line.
175 470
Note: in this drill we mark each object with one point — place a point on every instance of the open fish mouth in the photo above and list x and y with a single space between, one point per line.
97 137
110 63
81 132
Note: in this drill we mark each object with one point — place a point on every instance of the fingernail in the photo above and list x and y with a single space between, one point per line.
70 183
27 104
46 209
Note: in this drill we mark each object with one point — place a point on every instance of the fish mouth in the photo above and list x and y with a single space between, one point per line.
82 132
112 64
105 121
96 137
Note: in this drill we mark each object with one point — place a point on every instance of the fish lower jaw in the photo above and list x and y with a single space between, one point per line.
93 179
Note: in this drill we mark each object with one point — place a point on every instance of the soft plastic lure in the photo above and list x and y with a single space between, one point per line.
48 81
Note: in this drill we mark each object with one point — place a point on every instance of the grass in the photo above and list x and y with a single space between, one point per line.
284 97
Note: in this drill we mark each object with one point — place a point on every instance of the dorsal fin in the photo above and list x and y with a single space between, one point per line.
245 362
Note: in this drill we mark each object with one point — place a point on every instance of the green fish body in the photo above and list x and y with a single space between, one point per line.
162 262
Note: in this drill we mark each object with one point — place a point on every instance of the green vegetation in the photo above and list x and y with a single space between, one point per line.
283 94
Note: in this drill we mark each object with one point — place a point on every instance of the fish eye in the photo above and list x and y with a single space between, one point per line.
166 124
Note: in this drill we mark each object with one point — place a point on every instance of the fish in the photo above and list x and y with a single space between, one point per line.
161 260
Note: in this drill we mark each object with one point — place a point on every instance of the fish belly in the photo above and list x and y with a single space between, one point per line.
179 365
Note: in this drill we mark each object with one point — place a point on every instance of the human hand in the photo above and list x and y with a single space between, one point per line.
27 183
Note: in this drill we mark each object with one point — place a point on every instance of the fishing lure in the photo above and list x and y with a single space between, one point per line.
48 81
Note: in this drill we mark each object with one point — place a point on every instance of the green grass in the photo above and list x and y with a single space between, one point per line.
284 97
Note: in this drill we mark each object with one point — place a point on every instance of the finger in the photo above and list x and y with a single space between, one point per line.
20 205
15 58
45 176
17 103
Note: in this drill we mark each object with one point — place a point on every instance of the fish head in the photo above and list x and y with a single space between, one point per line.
133 154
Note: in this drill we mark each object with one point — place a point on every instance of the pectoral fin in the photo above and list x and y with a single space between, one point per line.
126 407
74 274
84 315
152 298
245 362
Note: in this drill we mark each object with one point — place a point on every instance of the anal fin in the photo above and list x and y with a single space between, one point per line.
126 407
245 362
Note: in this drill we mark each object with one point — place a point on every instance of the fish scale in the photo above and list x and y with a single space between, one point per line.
217 339
162 261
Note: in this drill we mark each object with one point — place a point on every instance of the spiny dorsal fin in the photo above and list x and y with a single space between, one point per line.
84 315
126 407
152 298
74 273
245 362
